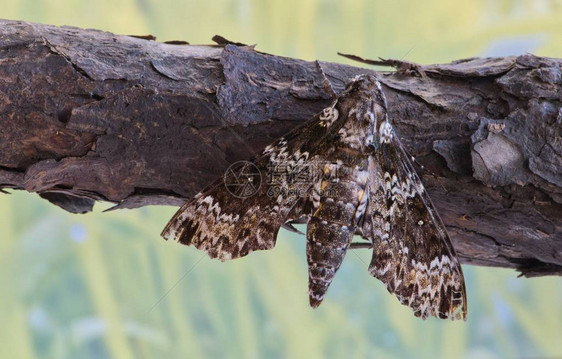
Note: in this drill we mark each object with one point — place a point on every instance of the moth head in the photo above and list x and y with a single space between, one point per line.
367 85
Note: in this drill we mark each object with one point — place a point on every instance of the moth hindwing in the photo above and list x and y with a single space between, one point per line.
344 172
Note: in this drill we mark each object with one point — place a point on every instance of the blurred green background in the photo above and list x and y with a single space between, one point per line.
105 284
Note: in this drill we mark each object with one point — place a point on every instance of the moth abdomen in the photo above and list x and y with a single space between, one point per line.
327 243
330 230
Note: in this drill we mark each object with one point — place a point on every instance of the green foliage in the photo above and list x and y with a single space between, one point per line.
105 284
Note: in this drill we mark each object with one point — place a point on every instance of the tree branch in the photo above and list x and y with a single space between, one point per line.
87 115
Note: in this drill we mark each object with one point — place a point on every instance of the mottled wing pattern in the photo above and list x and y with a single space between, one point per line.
227 226
412 253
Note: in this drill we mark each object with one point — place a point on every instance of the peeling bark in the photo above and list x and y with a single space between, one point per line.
87 115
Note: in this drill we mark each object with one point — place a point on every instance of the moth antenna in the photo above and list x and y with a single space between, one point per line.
421 168
326 83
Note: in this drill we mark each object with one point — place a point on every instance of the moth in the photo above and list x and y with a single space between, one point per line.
344 173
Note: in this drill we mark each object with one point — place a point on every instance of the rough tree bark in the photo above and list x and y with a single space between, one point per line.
87 115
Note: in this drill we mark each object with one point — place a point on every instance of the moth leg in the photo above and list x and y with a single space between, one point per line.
358 245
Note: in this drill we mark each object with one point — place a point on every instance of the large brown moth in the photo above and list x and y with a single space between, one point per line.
344 172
